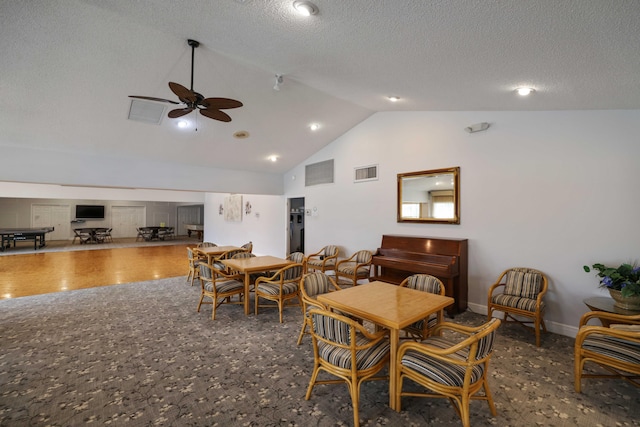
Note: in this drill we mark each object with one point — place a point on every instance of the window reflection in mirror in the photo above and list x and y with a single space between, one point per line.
429 196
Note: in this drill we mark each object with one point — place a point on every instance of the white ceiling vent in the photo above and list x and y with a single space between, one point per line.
318 173
365 173
145 111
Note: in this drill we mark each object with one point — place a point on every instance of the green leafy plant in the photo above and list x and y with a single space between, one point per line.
625 278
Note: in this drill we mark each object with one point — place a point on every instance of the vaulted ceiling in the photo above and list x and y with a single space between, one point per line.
67 68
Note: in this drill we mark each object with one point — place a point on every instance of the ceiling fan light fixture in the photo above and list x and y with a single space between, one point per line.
314 126
183 124
305 8
273 158
393 98
192 100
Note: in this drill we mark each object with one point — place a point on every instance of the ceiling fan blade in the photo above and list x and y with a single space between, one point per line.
174 114
221 103
150 98
216 115
182 92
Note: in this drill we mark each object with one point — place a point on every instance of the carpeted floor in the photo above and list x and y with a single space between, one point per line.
139 355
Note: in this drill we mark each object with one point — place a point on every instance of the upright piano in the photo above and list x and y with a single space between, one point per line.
401 256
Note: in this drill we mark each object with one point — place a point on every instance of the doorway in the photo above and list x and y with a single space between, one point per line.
125 220
56 216
296 224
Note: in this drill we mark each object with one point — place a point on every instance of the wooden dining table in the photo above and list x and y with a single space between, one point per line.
388 306
251 265
215 251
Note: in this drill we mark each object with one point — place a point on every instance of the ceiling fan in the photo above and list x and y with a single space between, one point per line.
209 107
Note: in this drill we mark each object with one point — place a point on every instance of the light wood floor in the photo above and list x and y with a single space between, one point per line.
41 273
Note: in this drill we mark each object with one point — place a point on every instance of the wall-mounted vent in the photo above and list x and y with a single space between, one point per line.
318 173
365 173
145 111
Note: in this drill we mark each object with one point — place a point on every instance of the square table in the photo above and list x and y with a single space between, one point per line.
214 251
389 306
254 264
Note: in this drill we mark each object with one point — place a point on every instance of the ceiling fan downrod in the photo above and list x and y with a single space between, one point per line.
194 44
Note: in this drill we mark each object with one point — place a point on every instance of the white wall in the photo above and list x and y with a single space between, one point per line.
550 190
80 169
265 226
46 191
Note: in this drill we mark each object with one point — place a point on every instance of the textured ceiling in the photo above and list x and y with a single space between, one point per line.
68 67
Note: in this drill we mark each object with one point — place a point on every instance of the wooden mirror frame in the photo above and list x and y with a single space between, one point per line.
452 184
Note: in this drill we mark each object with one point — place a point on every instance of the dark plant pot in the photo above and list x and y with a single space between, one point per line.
626 303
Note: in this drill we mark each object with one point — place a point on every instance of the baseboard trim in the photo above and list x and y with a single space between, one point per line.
555 327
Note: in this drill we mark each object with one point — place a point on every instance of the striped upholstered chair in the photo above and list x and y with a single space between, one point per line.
219 287
282 288
324 260
425 283
194 266
344 348
356 267
312 285
452 369
615 348
522 295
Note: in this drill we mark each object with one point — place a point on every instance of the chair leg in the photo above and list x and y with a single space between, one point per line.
302 331
489 396
312 382
354 388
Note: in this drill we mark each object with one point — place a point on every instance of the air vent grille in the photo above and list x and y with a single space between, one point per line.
318 173
366 173
148 112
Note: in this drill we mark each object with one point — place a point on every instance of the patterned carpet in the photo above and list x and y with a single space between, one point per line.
139 355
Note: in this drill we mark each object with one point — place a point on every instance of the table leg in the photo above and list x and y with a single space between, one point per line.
393 351
247 279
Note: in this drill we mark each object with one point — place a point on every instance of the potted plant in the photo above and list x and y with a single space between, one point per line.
623 283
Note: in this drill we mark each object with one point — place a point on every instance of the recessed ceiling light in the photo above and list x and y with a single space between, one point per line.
314 126
305 8
273 158
525 91
394 98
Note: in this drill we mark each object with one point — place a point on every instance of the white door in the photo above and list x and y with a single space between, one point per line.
56 216
188 215
125 220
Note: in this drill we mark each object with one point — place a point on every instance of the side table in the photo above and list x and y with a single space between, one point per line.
606 304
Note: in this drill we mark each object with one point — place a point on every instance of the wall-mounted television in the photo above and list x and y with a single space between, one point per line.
89 212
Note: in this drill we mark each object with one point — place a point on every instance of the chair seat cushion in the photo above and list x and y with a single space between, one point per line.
225 286
220 266
432 321
341 357
437 370
349 268
616 348
526 304
274 288
318 262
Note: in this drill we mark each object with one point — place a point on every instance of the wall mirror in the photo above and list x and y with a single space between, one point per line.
429 196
